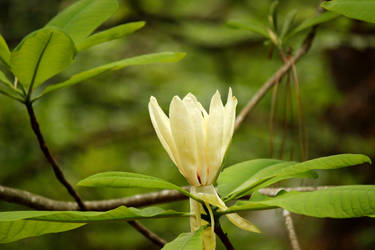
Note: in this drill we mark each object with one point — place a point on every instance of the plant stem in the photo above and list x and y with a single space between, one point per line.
223 236
147 233
47 154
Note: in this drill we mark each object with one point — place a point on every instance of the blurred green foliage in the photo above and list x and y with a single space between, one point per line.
103 124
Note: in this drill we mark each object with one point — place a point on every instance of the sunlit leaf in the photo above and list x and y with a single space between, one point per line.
80 19
110 34
251 25
41 55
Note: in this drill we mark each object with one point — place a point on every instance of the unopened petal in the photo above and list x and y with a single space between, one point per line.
184 137
229 120
214 139
163 130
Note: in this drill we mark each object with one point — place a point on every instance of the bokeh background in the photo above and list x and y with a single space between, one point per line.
103 124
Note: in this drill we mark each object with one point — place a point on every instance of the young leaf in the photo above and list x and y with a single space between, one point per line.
287 23
41 55
336 202
4 51
252 25
27 223
186 241
166 57
4 80
357 9
127 180
82 18
308 23
110 34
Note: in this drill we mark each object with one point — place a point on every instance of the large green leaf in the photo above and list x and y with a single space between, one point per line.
186 241
336 202
4 51
165 57
251 25
16 230
284 170
82 18
41 55
127 180
110 34
233 176
308 23
23 224
358 9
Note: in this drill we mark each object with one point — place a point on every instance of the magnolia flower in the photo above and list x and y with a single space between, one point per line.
197 141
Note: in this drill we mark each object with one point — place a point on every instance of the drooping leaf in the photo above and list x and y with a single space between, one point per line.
127 180
308 23
251 25
16 230
4 51
110 34
357 9
22 224
166 57
186 241
80 19
337 202
41 55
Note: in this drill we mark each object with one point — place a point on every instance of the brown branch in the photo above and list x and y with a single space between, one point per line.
39 202
47 154
276 77
291 231
147 233
223 237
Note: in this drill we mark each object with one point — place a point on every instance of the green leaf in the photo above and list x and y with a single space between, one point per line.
80 19
233 176
287 23
4 51
285 170
127 180
337 202
4 79
308 23
166 57
110 34
22 224
16 230
252 25
186 241
41 55
357 9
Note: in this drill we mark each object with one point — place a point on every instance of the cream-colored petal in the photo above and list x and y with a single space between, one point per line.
197 120
242 223
229 120
184 138
214 139
163 130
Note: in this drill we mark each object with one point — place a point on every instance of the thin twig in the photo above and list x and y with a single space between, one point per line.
147 233
291 231
47 154
271 81
223 237
39 202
